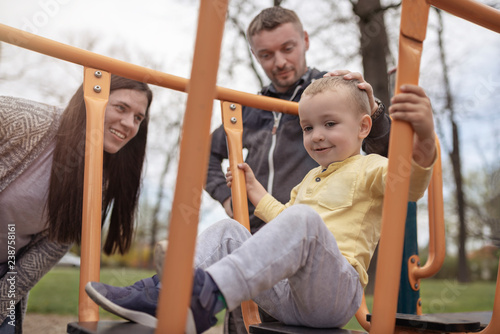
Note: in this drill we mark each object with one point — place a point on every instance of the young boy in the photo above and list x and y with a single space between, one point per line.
307 266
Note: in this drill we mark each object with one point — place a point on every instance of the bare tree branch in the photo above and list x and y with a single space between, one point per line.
242 34
454 154
155 222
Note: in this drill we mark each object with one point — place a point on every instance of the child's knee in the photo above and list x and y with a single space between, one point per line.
299 209
301 215
222 224
229 223
227 227
304 213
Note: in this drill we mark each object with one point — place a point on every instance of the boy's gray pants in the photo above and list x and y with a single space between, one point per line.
292 268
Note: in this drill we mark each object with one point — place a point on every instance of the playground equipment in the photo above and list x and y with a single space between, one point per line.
174 297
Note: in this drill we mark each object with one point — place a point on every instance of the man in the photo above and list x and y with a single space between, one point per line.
274 140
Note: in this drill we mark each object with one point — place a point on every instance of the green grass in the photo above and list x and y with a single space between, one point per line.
57 293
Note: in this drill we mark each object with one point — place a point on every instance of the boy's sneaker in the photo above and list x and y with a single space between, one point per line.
136 302
206 301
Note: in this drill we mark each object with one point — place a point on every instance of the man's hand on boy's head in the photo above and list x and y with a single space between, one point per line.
363 85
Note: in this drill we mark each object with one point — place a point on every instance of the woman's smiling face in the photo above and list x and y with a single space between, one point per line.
124 113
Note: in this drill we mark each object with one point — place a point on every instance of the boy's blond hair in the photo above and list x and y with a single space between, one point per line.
358 96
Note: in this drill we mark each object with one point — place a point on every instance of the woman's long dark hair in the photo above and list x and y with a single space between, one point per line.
121 176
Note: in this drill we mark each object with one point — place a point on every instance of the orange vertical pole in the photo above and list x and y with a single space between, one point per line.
494 325
194 147
437 240
233 126
361 314
96 93
414 17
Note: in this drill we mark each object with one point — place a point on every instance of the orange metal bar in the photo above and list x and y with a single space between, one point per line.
86 58
437 240
194 147
413 28
361 314
414 16
494 325
233 126
472 11
96 94
419 306
251 316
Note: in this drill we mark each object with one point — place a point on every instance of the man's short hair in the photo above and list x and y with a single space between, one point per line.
357 96
270 18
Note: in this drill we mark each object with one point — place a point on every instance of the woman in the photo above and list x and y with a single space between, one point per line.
41 183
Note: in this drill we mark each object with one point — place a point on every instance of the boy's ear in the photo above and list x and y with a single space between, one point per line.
365 126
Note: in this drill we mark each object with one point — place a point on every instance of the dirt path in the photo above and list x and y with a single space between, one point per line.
46 323
56 324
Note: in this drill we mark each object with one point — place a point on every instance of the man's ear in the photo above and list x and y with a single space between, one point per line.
365 126
306 40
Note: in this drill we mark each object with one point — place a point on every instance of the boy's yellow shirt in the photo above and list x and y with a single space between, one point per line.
348 196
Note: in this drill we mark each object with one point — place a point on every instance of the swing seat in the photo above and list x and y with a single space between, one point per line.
108 327
278 327
442 322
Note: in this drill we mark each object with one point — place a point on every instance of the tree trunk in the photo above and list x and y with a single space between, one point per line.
373 46
155 223
373 49
156 211
463 272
